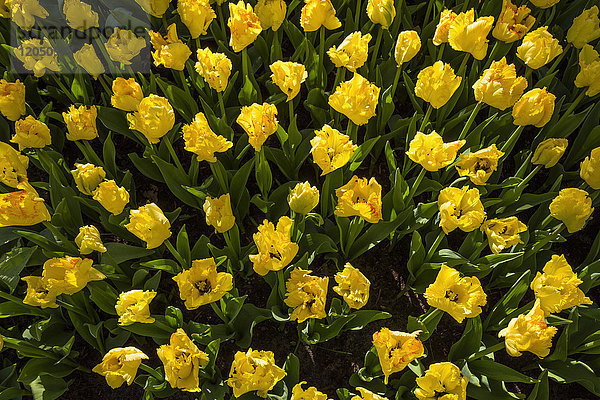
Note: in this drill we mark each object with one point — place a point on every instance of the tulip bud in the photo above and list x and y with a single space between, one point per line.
573 207
31 133
87 59
244 25
549 152
89 240
154 118
589 73
436 84
317 13
381 12
149 224
12 99
156 8
585 28
288 76
197 15
127 94
590 169
544 3
81 123
112 197
303 198
88 177
218 213
123 45
24 12
80 15
407 46
534 108
538 48
357 99
271 13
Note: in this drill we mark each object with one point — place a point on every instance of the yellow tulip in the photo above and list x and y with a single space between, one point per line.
352 53
156 8
123 45
24 207
353 286
13 165
80 15
182 360
357 99
309 394
499 86
154 117
81 122
514 22
544 3
120 365
87 59
460 208
470 35
331 149
271 13
437 83
288 76
69 275
367 395
87 177
317 13
149 224
306 294
218 213
396 350
381 12
585 28
5 13
12 99
538 48
461 297
169 50
197 15
134 307
303 198
407 47
556 287
443 27
431 152
37 55
589 71
534 108
548 152
529 332
112 197
360 198
31 133
244 25
503 233
275 247
127 94
215 68
573 207
201 140
480 165
254 370
590 169
259 122
89 240
202 284
24 12
442 378
39 293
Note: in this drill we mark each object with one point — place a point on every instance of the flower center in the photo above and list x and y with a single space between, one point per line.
203 286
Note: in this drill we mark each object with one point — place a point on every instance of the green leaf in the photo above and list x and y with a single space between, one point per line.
120 252
499 372
104 296
509 302
469 342
12 263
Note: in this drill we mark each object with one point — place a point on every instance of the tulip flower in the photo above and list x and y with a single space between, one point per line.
89 240
534 108
169 50
111 196
127 94
585 28
149 224
196 15
544 3
407 47
443 27
381 12
201 140
288 76
499 86
396 350
503 233
254 370
352 53
480 165
460 208
317 13
12 99
443 379
123 45
470 35
80 15
331 149
514 22
361 198
37 56
182 360
431 152
13 165
589 71
215 68
156 8
271 13
259 122
69 275
31 133
353 286
274 245
538 48
303 198
357 99
218 213
573 207
202 284
366 394
309 394
87 59
24 12
590 169
244 25
154 117
87 177
134 307
548 152
24 207
437 83
528 332
81 123
306 294
120 365
39 293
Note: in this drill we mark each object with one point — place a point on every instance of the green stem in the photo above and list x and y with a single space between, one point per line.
491 56
357 14
376 51
352 131
396 80
63 88
441 52
219 313
291 109
340 76
322 77
463 65
417 183
184 83
244 65
426 118
572 107
151 371
435 245
105 85
221 19
281 284
465 130
489 350
511 140
559 59
222 107
175 253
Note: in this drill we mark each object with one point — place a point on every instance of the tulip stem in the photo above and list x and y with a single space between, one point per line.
340 75
488 350
151 371
357 15
222 106
376 51
221 18
322 78
426 118
465 130
105 85
435 245
244 65
63 88
572 107
463 65
417 183
559 59
528 177
219 312
491 56
352 131
175 254
396 80
441 52
510 143
281 284
184 83
291 109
